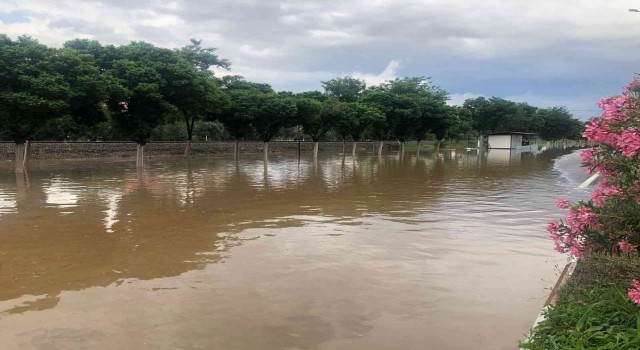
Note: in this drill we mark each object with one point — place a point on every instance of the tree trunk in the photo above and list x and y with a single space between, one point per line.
265 162
27 154
190 124
266 151
402 148
187 150
20 155
380 149
344 146
438 145
235 149
140 157
418 153
353 151
315 149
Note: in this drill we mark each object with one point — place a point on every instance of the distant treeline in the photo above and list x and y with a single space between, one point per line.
140 92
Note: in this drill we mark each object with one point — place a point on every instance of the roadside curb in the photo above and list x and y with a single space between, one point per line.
566 273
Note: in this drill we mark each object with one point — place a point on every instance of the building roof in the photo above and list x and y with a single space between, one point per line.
512 133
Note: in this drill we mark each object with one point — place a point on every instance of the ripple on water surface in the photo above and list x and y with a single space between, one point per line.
365 253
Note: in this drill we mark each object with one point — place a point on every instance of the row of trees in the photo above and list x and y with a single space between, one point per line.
86 90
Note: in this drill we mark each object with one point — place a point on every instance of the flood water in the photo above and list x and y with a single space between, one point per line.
442 251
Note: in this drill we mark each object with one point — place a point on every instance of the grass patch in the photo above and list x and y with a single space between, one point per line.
593 310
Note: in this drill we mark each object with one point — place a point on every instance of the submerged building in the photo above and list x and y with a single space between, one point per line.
518 141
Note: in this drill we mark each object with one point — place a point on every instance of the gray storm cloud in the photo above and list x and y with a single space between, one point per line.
570 52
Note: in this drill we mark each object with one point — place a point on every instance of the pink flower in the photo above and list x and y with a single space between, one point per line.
633 84
587 156
599 130
562 203
587 216
599 197
580 220
560 248
573 222
614 107
577 250
634 292
554 226
629 143
616 156
612 190
627 247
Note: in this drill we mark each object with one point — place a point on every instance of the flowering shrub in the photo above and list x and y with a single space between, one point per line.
634 292
610 221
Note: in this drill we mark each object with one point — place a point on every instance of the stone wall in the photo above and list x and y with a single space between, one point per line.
69 150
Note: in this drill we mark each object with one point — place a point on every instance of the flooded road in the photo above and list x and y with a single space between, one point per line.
435 252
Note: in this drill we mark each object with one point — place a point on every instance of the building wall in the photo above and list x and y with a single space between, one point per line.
500 141
516 140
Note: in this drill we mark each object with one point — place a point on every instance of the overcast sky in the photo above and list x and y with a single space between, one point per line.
545 52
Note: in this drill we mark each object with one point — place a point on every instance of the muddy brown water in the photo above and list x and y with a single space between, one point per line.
441 251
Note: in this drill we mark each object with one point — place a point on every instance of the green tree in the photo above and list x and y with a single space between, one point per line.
500 115
345 89
193 94
169 131
461 122
442 120
88 91
32 92
191 87
270 113
238 113
412 106
211 130
66 125
558 123
137 104
402 113
435 116
314 95
521 118
204 57
184 80
237 82
317 116
480 114
578 128
107 130
309 115
358 118
384 101
104 56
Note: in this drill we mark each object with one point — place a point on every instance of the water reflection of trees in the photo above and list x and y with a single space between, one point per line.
80 228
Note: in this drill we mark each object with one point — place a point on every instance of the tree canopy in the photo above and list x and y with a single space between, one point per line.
345 89
87 90
33 89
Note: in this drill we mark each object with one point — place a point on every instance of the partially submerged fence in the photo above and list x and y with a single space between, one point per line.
118 149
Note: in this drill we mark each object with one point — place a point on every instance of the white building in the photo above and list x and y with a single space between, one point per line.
519 141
